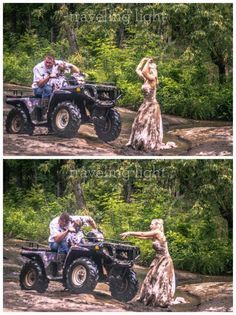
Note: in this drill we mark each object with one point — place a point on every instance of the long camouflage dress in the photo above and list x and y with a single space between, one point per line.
158 288
147 129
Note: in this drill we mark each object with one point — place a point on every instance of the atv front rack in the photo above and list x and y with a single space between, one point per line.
111 240
124 254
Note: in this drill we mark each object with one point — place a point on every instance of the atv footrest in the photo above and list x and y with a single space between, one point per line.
38 249
51 278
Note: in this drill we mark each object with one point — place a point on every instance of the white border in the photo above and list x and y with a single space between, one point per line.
114 157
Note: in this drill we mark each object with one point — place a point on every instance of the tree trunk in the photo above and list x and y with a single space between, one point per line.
67 28
120 36
72 41
60 182
222 73
60 188
219 61
79 196
19 177
228 216
51 35
6 176
127 191
35 173
29 19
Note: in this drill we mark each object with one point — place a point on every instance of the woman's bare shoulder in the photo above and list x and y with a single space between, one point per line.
160 236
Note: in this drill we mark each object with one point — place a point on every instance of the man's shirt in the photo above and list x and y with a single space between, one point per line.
40 71
55 228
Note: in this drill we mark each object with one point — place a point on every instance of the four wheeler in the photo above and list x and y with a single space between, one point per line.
74 103
95 260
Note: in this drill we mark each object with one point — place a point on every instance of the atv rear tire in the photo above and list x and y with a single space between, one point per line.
65 120
17 122
32 277
124 288
112 127
81 276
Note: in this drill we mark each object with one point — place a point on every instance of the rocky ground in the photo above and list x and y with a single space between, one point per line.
207 140
194 292
191 138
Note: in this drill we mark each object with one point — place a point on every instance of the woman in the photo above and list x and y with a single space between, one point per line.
147 130
158 287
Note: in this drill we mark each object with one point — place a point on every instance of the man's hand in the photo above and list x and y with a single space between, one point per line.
71 229
45 80
52 76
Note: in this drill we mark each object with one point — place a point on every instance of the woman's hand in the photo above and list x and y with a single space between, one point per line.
124 235
143 60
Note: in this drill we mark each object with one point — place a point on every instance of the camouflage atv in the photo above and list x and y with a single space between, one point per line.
70 106
83 267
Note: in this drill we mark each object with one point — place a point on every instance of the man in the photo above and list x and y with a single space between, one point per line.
44 72
61 226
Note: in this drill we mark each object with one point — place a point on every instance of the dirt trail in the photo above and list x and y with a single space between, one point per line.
194 292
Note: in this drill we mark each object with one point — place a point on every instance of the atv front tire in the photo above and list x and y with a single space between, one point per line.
17 122
32 277
81 276
124 288
65 120
112 127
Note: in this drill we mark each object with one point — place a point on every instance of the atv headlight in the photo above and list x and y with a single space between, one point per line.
96 247
78 89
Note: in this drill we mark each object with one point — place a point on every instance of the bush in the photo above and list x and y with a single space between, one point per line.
27 216
198 244
209 257
184 91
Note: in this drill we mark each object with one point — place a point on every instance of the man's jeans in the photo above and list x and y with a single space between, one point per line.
43 92
61 247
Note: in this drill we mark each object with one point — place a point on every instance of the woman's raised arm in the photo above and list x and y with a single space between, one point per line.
148 235
146 72
139 68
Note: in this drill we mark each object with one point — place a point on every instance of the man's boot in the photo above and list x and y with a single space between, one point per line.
44 107
60 263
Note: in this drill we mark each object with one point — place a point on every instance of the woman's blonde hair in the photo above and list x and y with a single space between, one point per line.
159 222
